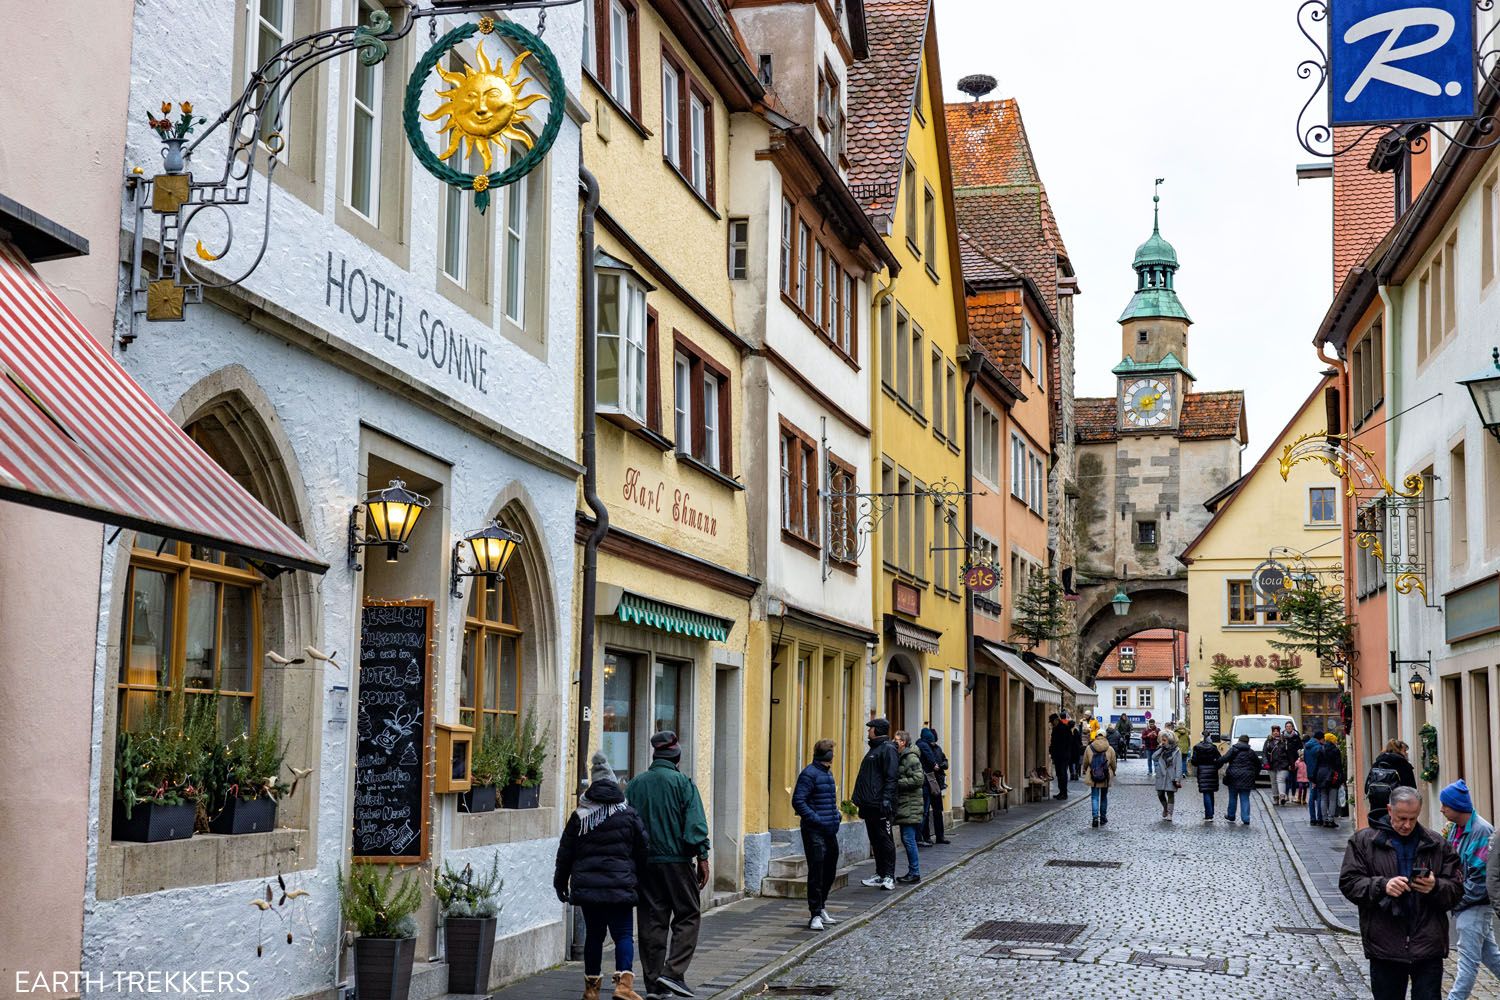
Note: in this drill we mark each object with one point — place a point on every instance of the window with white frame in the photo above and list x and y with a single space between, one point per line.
1017 467
590 39
621 52
697 172
671 102
1143 697
701 406
362 158
788 215
887 344
820 265
848 320
804 264
622 346
1122 697
271 27
1038 493
985 443
739 249
950 379
682 399
1027 361
937 394
513 285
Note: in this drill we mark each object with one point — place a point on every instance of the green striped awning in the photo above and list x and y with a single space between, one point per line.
637 610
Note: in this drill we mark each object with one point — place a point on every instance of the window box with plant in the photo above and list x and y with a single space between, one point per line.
244 779
470 904
159 768
383 913
486 770
525 753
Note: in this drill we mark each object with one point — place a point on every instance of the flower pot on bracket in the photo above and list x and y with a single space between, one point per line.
245 816
471 946
479 799
382 967
521 796
151 822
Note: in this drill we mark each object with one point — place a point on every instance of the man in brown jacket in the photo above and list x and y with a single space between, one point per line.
1404 878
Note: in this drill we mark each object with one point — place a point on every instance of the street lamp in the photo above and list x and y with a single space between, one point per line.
490 548
1484 390
391 515
1338 674
1121 603
1418 686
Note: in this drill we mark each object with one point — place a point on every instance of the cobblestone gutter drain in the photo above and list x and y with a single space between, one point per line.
1024 930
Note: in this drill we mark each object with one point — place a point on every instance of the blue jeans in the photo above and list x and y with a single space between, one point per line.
1150 762
909 839
1208 805
1099 801
1476 947
1243 798
617 919
1315 803
1184 765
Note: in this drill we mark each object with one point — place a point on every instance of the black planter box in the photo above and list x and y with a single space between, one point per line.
245 816
150 823
521 796
471 945
382 967
479 799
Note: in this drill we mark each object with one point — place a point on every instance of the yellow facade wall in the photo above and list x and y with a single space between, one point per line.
1266 513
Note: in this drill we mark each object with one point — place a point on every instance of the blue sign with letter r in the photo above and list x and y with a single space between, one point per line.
1400 61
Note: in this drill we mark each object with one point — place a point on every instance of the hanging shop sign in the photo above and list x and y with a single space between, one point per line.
484 107
906 599
391 770
1400 62
1269 580
981 579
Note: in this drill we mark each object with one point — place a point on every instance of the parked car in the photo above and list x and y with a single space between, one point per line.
1257 727
1136 748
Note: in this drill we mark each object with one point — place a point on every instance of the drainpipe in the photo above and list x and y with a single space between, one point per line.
588 599
972 364
877 449
1391 321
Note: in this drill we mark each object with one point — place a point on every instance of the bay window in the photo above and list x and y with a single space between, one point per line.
622 346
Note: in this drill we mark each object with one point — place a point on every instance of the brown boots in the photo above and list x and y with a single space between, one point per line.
625 987
591 986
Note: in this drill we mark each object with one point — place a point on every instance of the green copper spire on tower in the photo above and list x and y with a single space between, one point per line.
1155 266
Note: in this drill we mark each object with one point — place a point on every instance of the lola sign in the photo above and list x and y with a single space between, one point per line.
1400 61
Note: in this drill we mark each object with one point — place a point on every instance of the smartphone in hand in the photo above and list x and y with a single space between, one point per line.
1421 872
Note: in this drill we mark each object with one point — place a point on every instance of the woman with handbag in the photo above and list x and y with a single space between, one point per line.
1168 775
935 773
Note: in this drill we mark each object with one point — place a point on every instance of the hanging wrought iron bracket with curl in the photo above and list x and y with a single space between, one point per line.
853 516
256 123
1316 134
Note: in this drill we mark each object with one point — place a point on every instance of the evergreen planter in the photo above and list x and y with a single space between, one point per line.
382 967
521 796
479 799
471 945
151 822
245 816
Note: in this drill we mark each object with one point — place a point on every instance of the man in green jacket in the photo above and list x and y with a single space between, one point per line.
676 867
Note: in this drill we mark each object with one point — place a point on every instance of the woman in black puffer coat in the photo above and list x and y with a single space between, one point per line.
1206 762
1241 767
602 851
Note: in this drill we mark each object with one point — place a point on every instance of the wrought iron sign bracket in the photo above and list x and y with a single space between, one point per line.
869 509
256 124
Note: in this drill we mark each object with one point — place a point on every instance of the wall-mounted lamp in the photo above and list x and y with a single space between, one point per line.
490 548
390 516
1418 687
1417 682
1484 390
1121 603
1338 674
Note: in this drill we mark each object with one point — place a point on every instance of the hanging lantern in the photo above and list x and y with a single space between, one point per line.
490 548
390 517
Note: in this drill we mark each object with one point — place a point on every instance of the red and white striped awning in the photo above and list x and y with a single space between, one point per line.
79 436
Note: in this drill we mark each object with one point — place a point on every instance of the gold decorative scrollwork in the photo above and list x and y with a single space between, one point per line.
1350 461
1369 540
1407 582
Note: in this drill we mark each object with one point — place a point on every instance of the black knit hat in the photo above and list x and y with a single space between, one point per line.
881 727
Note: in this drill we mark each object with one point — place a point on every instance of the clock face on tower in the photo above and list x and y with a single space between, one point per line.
1148 403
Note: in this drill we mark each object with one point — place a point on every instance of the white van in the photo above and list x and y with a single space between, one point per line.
1258 728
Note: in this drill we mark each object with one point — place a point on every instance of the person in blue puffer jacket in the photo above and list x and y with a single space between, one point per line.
816 801
1310 753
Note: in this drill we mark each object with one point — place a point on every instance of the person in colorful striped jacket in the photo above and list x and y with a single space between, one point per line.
1469 835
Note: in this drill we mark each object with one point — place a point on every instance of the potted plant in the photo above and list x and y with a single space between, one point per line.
526 752
485 771
174 135
470 905
382 912
158 771
247 780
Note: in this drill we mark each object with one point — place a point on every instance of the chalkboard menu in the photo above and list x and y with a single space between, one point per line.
390 775
1211 712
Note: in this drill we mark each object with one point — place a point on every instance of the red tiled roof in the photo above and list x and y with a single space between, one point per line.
980 265
1153 658
988 142
1363 205
1205 416
995 326
1007 223
882 89
1213 415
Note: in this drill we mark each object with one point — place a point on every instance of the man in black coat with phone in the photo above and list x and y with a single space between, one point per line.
875 797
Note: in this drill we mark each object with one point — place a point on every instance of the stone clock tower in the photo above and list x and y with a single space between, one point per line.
1153 372
1148 460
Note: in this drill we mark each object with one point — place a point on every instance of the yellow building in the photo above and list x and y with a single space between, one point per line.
674 638
899 168
1297 523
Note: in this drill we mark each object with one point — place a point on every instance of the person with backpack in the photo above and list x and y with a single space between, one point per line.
1099 764
935 769
599 860
1395 756
816 802
1150 740
1241 768
1206 762
875 798
1311 751
1382 779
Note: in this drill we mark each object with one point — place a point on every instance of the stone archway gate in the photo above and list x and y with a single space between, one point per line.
1154 603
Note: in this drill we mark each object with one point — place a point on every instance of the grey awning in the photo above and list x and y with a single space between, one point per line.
1046 692
1082 693
910 635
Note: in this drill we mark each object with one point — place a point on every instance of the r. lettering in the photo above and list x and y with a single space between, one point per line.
1381 65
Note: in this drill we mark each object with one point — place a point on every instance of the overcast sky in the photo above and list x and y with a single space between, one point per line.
1116 94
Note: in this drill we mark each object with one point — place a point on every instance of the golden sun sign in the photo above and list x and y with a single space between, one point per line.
484 106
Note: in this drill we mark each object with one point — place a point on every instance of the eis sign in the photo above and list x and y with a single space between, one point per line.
1401 61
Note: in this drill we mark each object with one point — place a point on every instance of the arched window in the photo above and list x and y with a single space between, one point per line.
192 619
490 687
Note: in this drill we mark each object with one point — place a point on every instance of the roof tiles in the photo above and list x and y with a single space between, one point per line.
1205 416
882 90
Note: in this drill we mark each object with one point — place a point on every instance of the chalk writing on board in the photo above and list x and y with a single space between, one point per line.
391 757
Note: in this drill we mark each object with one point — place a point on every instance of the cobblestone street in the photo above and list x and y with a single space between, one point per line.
1193 911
